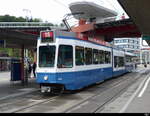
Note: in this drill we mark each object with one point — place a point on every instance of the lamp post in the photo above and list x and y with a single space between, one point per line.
28 12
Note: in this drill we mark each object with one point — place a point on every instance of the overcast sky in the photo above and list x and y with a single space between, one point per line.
48 10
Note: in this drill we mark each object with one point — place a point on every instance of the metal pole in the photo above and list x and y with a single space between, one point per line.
22 64
26 69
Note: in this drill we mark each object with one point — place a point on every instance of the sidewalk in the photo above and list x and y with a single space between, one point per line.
13 89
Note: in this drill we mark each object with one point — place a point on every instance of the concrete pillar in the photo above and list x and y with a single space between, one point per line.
22 64
35 55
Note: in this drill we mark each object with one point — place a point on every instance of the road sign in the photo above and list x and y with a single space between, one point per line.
2 43
145 37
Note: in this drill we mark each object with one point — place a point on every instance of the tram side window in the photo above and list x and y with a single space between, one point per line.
101 57
79 55
107 57
95 56
88 56
121 62
128 59
65 56
46 56
115 61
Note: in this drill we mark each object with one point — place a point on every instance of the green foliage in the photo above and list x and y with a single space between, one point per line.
8 18
10 51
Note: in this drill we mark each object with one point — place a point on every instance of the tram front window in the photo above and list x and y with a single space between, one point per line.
47 56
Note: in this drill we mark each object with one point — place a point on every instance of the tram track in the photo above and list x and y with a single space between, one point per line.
36 100
18 103
31 105
110 85
79 108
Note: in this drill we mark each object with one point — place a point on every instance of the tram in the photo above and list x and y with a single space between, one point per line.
65 62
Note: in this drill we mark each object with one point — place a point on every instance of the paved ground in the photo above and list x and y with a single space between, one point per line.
9 88
118 95
129 101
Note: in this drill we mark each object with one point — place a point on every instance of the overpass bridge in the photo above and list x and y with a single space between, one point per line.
17 34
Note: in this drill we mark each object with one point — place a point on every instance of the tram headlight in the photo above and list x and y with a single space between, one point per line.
45 78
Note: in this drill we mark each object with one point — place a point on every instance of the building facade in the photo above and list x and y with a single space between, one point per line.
130 45
145 56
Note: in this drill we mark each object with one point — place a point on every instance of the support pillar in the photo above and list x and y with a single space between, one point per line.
26 75
22 64
35 55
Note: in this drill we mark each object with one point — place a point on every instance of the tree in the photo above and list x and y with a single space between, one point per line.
62 25
8 18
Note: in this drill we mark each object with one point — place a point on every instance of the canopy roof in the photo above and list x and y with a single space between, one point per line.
138 11
91 10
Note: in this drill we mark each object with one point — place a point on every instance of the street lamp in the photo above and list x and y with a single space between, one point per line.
28 12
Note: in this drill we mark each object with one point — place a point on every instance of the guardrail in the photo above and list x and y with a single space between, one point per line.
28 25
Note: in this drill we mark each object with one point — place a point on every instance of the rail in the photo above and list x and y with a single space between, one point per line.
28 25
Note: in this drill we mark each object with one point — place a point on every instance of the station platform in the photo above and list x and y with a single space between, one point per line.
9 89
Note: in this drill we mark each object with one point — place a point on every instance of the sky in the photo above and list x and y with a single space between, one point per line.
48 10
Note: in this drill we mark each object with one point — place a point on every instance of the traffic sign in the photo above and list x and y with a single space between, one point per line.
145 37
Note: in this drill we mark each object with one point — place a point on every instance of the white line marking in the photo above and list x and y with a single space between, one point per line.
144 88
133 96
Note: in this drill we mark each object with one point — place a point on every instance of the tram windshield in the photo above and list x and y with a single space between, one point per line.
47 56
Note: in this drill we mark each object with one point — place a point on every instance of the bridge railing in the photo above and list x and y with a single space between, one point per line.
27 25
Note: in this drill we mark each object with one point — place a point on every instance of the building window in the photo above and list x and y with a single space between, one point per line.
125 40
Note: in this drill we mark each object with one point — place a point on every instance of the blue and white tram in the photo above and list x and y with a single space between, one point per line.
66 62
118 62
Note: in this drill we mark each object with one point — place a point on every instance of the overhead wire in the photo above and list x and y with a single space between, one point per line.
60 3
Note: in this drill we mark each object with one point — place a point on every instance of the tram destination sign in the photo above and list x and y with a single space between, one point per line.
2 43
47 36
